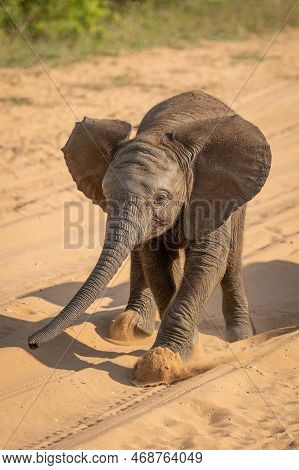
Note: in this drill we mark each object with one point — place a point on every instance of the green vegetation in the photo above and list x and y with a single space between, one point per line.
18 100
254 56
63 31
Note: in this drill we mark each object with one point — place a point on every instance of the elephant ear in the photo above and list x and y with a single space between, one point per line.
230 160
88 152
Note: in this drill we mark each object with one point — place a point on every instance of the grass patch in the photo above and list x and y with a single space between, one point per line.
254 56
113 81
88 86
17 100
143 24
121 80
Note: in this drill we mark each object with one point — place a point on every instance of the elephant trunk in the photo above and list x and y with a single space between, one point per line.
121 237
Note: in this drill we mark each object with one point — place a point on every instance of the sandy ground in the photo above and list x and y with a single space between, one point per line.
75 392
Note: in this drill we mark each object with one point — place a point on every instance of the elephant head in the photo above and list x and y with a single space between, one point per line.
146 183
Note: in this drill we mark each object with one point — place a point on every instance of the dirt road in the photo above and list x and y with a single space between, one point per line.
75 392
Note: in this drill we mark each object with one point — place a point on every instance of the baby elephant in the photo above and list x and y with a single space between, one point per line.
175 196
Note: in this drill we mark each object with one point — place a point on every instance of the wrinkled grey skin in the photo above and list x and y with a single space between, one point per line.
175 197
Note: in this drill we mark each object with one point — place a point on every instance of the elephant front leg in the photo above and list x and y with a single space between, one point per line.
168 359
139 317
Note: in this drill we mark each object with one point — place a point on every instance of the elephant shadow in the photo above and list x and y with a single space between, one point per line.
273 294
272 289
66 352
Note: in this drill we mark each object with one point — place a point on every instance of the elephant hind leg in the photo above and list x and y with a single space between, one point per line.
155 274
234 301
235 307
139 318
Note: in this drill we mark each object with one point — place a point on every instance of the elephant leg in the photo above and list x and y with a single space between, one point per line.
235 306
163 269
139 318
234 301
204 267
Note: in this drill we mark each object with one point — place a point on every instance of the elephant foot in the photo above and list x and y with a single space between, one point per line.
128 326
159 366
239 332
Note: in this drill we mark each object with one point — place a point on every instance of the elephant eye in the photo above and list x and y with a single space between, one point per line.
161 199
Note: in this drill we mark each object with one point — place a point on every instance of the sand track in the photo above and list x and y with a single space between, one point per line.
76 392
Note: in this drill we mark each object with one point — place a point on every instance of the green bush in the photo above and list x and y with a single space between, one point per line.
54 18
66 30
